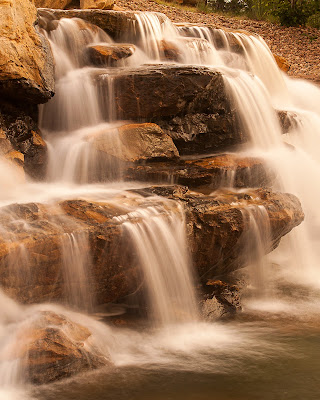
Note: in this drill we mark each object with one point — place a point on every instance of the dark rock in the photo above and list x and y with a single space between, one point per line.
188 103
17 123
222 300
227 170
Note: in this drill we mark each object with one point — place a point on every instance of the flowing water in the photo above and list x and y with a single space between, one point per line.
270 351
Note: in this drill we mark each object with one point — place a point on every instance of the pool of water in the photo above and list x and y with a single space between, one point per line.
261 356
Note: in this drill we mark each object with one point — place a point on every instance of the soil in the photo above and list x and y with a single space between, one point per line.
300 46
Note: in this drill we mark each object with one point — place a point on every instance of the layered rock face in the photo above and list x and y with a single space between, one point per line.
189 103
215 227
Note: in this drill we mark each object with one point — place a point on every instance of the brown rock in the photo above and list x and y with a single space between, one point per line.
188 103
26 61
215 228
116 23
97 4
55 347
282 63
228 170
136 143
60 4
109 53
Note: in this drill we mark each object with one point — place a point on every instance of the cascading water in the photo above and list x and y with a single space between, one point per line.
161 244
76 116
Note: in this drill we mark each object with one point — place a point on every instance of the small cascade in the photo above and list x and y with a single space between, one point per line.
76 265
159 238
151 29
257 243
80 156
257 117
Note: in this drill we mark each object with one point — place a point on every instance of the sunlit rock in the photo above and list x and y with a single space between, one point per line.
282 63
60 4
116 23
97 4
109 53
136 142
26 61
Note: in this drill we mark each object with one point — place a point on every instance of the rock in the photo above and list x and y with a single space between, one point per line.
288 120
282 63
222 300
97 4
26 72
169 50
116 23
52 347
188 103
136 143
215 224
215 229
21 133
227 170
60 4
109 53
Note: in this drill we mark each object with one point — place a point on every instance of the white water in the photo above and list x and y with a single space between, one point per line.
161 243
159 235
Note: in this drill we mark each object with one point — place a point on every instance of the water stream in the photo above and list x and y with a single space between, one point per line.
178 356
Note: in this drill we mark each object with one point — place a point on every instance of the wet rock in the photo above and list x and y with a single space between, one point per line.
26 72
215 229
109 53
55 347
116 23
215 225
227 170
188 103
136 143
222 300
169 51
288 120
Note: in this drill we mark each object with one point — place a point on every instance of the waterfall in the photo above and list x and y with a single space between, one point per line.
257 242
159 238
83 115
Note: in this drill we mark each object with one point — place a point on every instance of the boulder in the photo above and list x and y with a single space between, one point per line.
97 4
26 72
188 103
221 300
21 133
282 63
116 23
52 346
215 229
226 170
136 143
60 4
109 53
